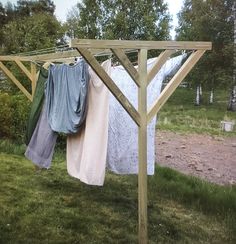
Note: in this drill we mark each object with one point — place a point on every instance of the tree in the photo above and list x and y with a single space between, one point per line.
29 25
110 19
26 8
84 21
209 20
38 31
232 97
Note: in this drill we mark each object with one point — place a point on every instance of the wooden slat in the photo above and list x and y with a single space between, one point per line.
8 73
42 57
110 84
23 68
123 44
124 60
175 81
142 147
34 77
54 56
46 65
13 58
159 63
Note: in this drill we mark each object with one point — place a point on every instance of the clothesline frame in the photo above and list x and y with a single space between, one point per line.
88 48
38 60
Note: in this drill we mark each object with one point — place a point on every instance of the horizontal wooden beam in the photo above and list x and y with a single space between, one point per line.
175 81
8 73
123 44
88 56
42 57
14 58
55 56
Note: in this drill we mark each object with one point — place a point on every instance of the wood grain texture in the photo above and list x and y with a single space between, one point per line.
123 44
142 147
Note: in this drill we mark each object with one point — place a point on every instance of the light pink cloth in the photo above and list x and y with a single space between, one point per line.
87 150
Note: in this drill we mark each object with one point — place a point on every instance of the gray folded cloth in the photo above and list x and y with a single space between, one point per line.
66 95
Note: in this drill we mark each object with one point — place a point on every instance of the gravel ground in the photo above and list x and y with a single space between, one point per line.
209 157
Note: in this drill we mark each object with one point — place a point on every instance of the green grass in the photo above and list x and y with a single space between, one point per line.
180 113
48 206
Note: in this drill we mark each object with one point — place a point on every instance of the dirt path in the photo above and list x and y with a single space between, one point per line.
211 158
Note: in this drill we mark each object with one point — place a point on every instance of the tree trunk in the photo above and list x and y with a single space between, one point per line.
197 101
211 100
232 97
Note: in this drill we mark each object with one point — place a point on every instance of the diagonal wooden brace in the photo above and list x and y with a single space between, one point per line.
175 81
8 73
159 63
124 60
88 56
24 69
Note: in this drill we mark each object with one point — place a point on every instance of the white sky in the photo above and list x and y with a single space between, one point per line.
63 6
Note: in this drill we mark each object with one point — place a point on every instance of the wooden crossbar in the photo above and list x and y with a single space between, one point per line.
123 44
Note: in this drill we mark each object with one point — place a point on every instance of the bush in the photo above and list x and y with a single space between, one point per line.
14 111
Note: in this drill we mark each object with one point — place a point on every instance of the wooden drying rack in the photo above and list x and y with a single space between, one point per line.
142 116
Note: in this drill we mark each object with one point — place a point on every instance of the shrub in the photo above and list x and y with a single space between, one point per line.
14 111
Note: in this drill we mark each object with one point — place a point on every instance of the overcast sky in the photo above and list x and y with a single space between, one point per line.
62 8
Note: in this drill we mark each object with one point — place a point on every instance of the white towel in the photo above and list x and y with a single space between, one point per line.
87 150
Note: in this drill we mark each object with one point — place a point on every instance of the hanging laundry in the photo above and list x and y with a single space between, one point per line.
41 146
87 150
36 105
66 94
122 157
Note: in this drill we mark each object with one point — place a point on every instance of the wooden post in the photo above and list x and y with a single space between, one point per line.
34 78
142 146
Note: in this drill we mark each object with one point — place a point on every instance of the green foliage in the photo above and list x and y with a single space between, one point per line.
30 33
8 146
6 112
14 114
145 20
180 113
27 8
210 20
28 25
48 206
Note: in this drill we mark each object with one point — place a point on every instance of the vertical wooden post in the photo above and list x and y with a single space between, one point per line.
142 147
34 78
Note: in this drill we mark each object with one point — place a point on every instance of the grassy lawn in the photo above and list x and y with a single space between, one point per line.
180 114
48 206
